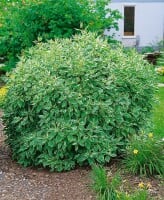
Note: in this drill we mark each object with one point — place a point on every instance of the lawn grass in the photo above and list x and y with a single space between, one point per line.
158 116
161 79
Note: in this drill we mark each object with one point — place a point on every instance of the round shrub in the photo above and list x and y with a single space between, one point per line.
75 102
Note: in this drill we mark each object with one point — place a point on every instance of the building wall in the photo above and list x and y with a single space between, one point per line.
149 23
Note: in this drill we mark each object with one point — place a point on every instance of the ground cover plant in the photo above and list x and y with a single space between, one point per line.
24 22
76 102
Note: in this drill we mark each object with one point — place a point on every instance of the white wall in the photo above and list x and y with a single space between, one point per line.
149 23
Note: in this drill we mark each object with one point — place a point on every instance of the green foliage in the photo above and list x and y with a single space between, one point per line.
145 155
76 101
99 179
147 49
153 47
137 195
140 194
104 188
24 22
110 188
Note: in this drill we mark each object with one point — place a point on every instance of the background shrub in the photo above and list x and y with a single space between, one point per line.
76 101
24 22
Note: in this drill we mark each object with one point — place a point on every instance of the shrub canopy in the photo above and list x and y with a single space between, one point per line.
76 101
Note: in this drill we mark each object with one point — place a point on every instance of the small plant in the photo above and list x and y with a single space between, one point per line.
141 194
104 188
110 188
144 155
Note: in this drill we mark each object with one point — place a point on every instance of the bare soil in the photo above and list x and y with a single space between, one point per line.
18 183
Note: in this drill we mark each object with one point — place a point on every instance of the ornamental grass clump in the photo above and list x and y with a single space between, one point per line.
75 102
145 155
104 186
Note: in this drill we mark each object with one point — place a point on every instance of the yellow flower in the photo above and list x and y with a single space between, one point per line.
3 92
135 151
149 185
141 185
150 135
160 70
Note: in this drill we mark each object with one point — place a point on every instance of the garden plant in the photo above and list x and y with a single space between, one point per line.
144 155
109 186
76 102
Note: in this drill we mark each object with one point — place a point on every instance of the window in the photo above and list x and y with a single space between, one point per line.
129 13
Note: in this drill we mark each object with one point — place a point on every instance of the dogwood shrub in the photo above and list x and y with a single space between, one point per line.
75 102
